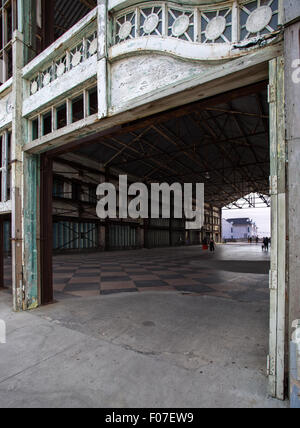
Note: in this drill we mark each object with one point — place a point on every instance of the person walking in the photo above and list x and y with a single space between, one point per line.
266 244
212 246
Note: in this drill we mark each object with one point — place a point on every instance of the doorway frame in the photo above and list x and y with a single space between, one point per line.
278 335
278 345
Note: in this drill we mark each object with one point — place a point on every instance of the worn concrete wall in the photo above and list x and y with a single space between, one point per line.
292 90
292 107
291 10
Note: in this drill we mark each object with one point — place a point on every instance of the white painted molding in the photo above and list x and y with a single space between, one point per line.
59 46
179 48
61 87
5 207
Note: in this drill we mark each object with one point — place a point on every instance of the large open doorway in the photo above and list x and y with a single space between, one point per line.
223 141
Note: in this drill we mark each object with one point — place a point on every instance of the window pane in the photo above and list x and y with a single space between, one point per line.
93 101
35 129
47 123
61 116
77 109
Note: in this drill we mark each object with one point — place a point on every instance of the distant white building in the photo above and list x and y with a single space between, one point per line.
239 229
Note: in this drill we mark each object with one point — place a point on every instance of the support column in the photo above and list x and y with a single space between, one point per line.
102 59
278 274
17 176
31 232
292 112
292 103
25 200
46 229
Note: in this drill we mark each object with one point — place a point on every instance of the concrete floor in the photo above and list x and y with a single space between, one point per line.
163 348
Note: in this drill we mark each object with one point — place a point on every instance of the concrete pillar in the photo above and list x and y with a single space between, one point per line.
292 105
292 111
277 366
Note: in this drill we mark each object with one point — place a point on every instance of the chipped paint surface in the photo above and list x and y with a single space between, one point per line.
6 106
136 76
31 186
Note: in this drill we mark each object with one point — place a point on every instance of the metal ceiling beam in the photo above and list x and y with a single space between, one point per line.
162 117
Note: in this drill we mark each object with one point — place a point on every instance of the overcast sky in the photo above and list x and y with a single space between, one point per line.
261 216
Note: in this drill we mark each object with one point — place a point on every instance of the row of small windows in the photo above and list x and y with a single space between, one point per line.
71 111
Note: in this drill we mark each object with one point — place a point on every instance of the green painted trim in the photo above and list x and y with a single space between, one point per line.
31 181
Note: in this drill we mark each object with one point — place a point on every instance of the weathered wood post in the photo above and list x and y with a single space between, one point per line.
25 200
17 175
278 273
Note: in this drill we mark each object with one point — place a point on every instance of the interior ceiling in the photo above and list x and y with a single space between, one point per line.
225 146
68 12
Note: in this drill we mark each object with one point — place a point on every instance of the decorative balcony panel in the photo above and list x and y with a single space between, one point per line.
257 18
63 67
71 58
162 23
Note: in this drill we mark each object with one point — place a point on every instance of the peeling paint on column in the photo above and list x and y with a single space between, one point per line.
31 186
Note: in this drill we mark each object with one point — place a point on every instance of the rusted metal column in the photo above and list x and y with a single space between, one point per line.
46 229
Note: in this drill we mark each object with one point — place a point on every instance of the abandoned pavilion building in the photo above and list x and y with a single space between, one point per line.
163 91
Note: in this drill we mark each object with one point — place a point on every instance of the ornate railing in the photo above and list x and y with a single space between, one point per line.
74 48
70 59
228 22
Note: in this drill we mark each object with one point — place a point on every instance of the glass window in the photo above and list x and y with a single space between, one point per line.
93 101
77 109
61 116
35 129
47 123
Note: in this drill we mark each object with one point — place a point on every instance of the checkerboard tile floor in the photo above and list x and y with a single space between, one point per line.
110 273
